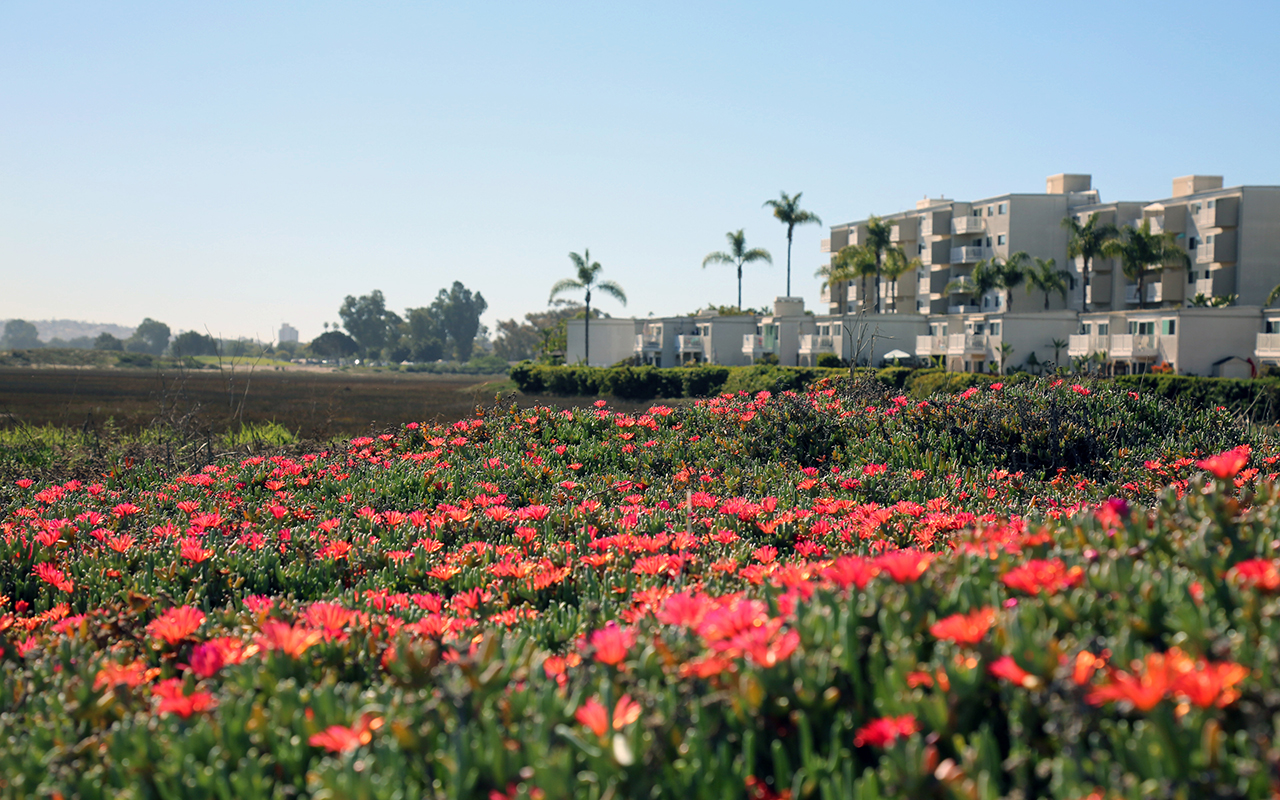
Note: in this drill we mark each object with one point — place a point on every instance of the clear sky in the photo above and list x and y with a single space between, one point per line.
233 165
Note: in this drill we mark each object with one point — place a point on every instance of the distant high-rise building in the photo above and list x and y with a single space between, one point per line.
288 333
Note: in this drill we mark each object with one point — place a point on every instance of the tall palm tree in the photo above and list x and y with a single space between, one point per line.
878 243
851 263
588 270
1144 253
1012 272
787 211
896 264
1087 242
1046 277
738 255
984 278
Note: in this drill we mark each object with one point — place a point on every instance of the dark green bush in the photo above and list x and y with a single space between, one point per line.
829 361
894 377
1257 399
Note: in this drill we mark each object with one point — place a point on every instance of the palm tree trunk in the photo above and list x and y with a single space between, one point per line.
739 287
586 333
789 262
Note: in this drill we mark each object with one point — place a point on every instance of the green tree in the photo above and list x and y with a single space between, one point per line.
984 277
1087 241
786 209
1012 271
106 341
738 255
149 337
1046 277
334 344
896 264
368 322
1143 253
879 235
424 334
459 312
588 272
194 343
20 335
850 264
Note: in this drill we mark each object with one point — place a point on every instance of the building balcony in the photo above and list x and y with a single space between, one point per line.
1222 250
754 346
969 255
1083 345
967 225
1154 292
1268 346
967 344
1134 345
903 230
962 309
824 246
647 343
812 343
936 253
689 343
931 346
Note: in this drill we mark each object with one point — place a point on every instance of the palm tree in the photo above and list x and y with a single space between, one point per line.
1058 346
787 210
1012 272
984 278
586 280
878 241
1144 253
1087 242
1006 350
738 255
896 264
851 263
1046 277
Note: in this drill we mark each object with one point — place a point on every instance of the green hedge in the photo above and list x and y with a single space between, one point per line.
1258 399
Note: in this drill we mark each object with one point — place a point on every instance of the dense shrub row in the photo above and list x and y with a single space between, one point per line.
1041 590
1258 399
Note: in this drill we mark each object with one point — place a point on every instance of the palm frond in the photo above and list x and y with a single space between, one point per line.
565 285
756 254
613 290
717 258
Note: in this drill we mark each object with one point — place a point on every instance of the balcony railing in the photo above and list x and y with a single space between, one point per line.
754 345
931 345
962 309
645 342
966 225
966 344
969 255
687 343
1154 292
1134 345
1268 345
811 343
1082 345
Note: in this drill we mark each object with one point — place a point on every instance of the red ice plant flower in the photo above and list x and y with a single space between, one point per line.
1227 463
1257 573
595 716
904 566
966 629
885 731
176 624
1005 667
854 570
292 640
611 643
173 701
1042 577
52 575
341 739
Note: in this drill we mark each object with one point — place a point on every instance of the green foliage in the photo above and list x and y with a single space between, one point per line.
368 321
194 343
150 337
828 361
20 335
1257 399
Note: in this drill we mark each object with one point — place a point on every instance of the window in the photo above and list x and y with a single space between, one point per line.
1208 239
1085 328
1003 208
1000 239
1195 208
988 241
977 243
1142 328
1104 328
1071 281
977 328
999 299
1192 242
1191 276
986 302
920 248
1168 327
991 211
977 212
995 329
1273 326
1211 204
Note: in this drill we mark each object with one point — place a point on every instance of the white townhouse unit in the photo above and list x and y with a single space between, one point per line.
658 341
972 342
1190 341
716 339
613 339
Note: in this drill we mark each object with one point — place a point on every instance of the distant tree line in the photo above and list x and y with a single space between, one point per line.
447 329
150 337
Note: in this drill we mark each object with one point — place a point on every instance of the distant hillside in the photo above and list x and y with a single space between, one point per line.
68 329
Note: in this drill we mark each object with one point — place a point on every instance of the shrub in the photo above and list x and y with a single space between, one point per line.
829 361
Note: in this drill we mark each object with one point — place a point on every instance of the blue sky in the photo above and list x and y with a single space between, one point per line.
230 166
